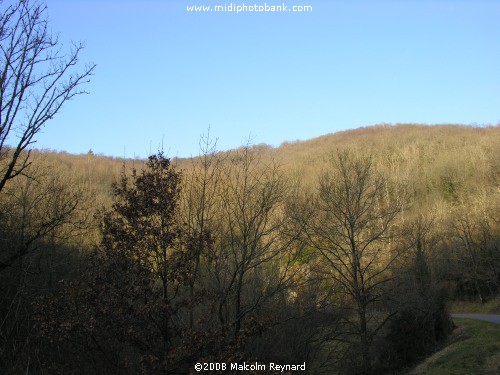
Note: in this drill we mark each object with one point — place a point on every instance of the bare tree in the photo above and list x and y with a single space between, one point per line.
35 208
39 215
250 264
421 317
355 209
476 249
200 206
36 79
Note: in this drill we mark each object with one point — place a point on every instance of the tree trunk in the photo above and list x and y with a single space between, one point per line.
365 342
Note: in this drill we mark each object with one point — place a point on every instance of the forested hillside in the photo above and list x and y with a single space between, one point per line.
340 252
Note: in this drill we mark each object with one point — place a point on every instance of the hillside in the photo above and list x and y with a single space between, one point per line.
443 164
405 141
462 356
435 157
342 252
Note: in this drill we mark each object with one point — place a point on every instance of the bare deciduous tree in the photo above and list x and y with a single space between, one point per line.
39 215
250 263
355 208
36 79
200 206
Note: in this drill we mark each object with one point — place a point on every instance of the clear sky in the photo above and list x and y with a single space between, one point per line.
165 74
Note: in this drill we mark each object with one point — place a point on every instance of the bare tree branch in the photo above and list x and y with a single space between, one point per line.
36 79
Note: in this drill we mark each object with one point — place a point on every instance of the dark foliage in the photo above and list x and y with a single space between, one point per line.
121 311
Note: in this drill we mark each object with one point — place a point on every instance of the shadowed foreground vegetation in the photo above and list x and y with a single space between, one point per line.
491 306
342 252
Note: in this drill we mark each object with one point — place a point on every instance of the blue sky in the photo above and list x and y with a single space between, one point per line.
165 74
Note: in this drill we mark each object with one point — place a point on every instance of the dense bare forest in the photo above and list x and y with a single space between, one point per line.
335 255
341 252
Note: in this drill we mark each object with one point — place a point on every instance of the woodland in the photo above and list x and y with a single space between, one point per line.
342 252
336 255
